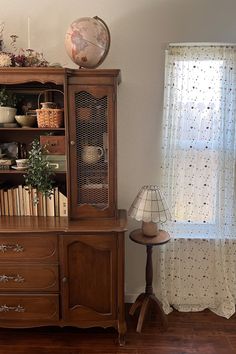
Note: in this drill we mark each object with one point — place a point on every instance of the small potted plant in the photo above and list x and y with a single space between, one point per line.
39 173
7 106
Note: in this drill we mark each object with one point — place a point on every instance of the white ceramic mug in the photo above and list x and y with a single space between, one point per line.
91 153
22 162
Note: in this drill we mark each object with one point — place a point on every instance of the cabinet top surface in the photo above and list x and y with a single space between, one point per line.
30 224
40 69
44 74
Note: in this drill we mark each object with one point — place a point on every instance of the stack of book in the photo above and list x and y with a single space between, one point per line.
25 201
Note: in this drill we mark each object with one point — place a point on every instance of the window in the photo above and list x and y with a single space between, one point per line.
199 138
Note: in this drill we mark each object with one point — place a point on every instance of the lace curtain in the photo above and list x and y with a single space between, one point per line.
197 268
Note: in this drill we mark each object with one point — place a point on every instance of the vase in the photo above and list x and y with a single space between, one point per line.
7 114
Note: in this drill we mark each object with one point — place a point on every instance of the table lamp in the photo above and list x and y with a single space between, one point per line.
150 206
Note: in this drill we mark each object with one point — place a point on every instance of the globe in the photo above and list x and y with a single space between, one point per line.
87 41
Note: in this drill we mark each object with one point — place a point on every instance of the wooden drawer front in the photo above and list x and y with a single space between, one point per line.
29 278
32 248
31 308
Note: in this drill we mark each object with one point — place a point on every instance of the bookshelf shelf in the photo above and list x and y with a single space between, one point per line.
13 172
32 129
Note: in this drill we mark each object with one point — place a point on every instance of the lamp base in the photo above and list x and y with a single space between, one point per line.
150 228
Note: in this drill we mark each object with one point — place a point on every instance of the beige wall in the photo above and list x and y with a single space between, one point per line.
140 31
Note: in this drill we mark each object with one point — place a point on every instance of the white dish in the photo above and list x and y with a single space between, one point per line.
19 168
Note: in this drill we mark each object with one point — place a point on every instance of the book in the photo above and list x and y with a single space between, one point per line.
44 205
2 202
56 201
40 204
34 201
5 196
50 205
14 200
63 205
26 196
10 201
21 200
17 198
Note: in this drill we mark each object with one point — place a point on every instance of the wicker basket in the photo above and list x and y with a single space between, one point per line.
49 117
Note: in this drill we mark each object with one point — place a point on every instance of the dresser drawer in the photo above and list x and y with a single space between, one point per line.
29 307
29 277
33 248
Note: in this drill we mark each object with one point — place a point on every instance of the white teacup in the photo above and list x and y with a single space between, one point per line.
91 153
22 162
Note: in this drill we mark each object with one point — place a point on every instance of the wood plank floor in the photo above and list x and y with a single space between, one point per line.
188 333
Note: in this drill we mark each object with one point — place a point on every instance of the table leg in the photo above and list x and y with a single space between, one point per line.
144 300
142 314
137 304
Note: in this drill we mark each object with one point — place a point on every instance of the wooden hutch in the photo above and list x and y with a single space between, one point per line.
67 270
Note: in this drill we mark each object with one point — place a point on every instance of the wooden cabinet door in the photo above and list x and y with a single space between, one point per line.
92 150
89 277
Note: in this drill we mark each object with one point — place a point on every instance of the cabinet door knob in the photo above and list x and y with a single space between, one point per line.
72 142
64 279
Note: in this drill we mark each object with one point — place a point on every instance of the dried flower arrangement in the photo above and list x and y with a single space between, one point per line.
21 57
29 57
5 59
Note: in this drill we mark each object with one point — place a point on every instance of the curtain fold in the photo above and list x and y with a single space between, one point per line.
197 267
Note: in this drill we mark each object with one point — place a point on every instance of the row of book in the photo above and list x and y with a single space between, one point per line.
25 201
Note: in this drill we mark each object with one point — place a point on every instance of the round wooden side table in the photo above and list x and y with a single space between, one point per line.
148 298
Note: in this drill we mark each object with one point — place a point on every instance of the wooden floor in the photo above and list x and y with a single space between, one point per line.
201 332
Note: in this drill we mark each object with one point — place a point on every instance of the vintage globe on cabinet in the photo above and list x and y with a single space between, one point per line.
87 41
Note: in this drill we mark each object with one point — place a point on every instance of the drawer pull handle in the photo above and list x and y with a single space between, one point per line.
16 278
14 248
18 308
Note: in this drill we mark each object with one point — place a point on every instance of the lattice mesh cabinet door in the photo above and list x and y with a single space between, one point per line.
94 151
91 135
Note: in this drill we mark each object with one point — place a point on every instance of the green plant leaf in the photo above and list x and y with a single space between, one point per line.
39 174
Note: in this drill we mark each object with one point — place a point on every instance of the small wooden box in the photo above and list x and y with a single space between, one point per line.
54 145
56 162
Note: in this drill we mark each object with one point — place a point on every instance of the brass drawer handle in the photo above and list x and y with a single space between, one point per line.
14 248
18 308
16 278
